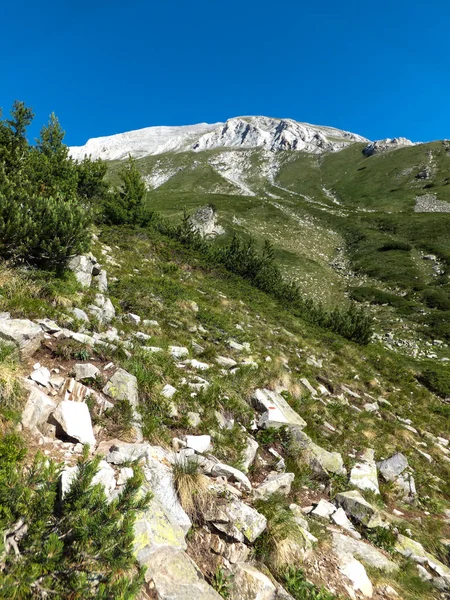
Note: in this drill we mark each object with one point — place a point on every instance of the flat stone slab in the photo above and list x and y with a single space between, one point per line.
75 421
344 545
38 408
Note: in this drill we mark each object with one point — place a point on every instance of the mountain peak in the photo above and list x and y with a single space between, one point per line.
237 132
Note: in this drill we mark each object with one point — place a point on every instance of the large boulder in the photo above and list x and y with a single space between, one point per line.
347 546
75 421
23 333
38 408
249 583
276 412
396 470
359 510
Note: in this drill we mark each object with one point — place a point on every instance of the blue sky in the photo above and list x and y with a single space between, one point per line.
376 68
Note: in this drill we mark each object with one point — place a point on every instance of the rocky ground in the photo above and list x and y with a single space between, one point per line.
261 457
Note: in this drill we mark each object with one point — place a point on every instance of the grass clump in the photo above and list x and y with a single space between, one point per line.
436 379
295 582
192 488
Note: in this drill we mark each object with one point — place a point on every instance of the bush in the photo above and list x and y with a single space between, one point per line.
436 379
125 205
80 546
395 245
300 588
436 298
44 195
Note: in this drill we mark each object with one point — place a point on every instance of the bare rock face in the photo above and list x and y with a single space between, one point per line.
385 145
204 221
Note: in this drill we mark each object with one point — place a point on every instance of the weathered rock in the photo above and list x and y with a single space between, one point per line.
79 314
249 453
37 409
124 475
346 546
275 410
123 386
221 469
250 584
175 576
41 376
385 145
82 267
118 452
204 221
364 473
358 509
392 467
324 509
356 572
340 518
102 308
225 362
159 474
23 333
236 519
416 552
101 281
75 421
320 460
132 318
274 483
48 325
85 371
233 552
178 351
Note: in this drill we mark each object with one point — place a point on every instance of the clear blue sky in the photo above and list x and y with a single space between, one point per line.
379 68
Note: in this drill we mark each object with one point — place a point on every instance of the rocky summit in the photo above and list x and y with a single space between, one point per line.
224 365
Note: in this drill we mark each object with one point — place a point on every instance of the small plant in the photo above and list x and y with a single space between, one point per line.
272 435
221 583
383 537
295 582
192 488
69 349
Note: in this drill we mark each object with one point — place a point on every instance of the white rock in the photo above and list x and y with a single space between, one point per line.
231 473
37 409
132 318
199 443
85 371
75 420
25 334
124 474
356 572
178 351
168 391
324 509
41 376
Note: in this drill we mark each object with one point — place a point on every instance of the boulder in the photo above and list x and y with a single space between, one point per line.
79 314
356 572
248 583
175 576
274 483
392 467
132 318
324 509
321 461
199 443
225 362
346 546
359 510
221 469
340 518
37 409
178 351
118 452
364 473
236 519
275 410
85 371
102 308
23 333
75 421
204 222
82 267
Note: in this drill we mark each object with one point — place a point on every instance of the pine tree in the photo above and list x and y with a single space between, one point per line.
126 204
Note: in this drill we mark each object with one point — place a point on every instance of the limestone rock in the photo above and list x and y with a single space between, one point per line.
249 583
221 469
324 509
199 443
118 452
411 549
356 572
275 410
75 421
249 453
41 376
392 467
178 351
386 145
102 308
123 386
25 334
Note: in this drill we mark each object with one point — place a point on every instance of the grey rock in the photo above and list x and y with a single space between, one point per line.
381 146
221 469
37 409
364 473
48 325
275 410
41 376
321 461
101 282
102 308
132 318
237 520
344 545
118 452
204 221
123 386
249 453
82 267
79 314
359 510
248 583
392 467
274 483
23 333
85 371
324 509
